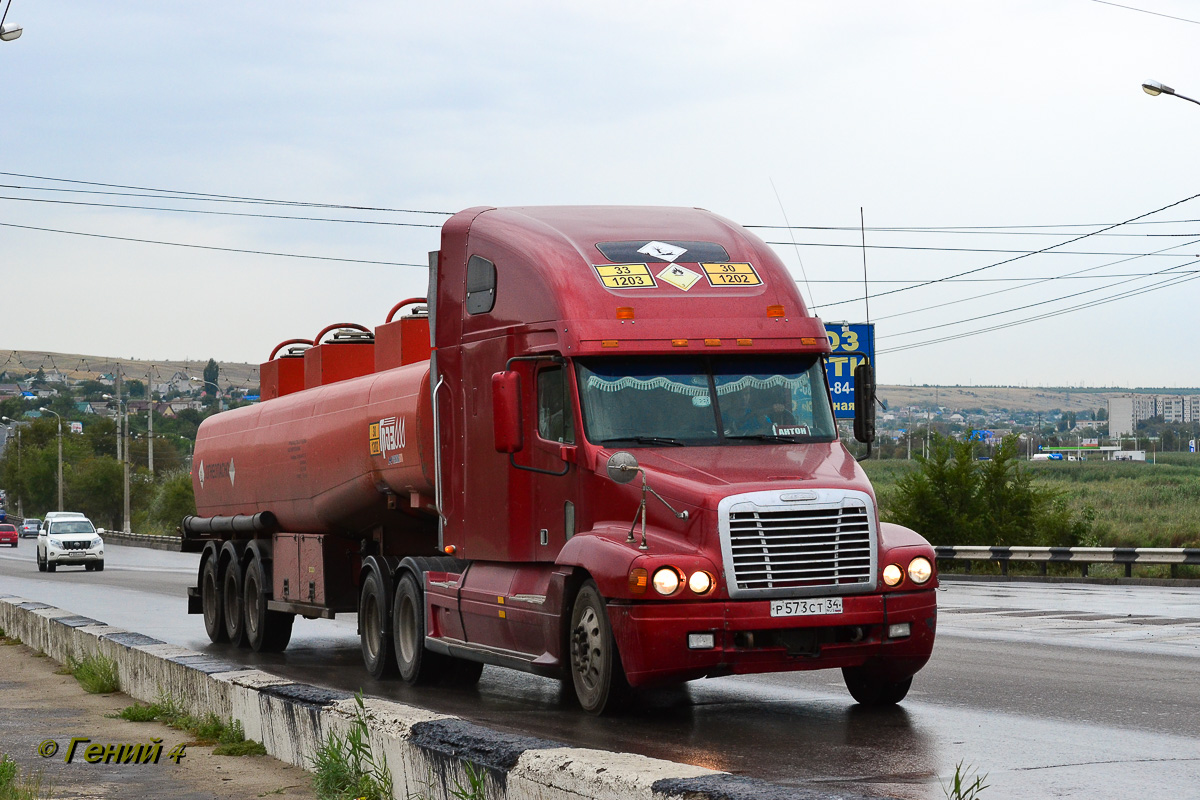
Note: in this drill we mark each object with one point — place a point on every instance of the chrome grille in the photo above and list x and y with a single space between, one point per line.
779 549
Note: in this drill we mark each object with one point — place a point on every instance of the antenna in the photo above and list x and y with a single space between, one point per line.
792 233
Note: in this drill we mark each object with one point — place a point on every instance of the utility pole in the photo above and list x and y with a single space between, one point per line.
118 388
150 426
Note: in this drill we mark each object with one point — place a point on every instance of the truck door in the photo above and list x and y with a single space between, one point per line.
553 450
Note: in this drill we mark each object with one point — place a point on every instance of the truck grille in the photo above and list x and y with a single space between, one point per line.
71 545
822 544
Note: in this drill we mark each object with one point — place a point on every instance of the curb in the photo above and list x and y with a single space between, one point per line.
427 753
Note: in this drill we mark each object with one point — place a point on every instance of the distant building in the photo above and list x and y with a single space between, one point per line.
1124 413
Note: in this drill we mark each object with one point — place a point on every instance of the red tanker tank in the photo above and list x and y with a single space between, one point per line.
347 457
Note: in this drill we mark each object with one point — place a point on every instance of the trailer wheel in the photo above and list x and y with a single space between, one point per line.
460 672
231 603
869 688
595 664
374 630
266 631
417 665
210 599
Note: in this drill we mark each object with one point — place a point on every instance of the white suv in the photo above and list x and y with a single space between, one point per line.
69 539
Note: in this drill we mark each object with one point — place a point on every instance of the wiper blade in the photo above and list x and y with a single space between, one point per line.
766 437
645 440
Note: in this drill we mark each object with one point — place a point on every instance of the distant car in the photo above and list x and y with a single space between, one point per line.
9 535
29 528
69 539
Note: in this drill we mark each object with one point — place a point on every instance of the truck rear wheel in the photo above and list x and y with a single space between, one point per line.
870 688
374 629
231 602
417 665
210 599
595 664
266 631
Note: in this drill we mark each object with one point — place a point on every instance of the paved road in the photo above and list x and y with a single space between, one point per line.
1053 690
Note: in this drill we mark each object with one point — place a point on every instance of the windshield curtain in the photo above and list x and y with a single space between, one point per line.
705 401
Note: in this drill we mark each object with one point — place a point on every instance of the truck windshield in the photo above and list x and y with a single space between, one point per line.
705 401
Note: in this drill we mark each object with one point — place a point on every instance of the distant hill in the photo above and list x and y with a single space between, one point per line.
18 363
245 376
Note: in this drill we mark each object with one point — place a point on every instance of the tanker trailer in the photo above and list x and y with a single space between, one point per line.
602 451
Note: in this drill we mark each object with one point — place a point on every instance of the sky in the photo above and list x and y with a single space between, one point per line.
1019 123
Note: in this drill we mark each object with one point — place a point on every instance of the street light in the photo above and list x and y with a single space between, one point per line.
124 454
1154 89
9 30
60 493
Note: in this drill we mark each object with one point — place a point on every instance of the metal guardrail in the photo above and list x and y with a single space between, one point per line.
1081 556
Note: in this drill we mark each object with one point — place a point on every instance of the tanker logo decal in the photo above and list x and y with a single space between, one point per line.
216 471
387 439
231 473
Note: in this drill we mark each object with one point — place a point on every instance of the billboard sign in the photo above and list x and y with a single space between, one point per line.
844 338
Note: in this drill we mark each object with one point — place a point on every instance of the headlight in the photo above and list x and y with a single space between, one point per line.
700 582
920 570
55 542
666 581
97 542
892 574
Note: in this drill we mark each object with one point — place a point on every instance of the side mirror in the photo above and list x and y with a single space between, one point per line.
506 412
864 402
622 467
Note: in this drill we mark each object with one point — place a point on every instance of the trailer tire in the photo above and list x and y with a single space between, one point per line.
595 663
871 689
461 672
374 627
232 605
210 601
417 664
266 631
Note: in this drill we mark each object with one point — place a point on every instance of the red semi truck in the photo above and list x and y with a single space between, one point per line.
600 450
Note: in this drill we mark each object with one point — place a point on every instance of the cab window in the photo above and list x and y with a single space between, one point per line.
555 421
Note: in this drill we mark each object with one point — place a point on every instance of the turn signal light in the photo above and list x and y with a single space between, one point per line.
745 342
807 341
624 312
712 342
608 342
679 343
892 574
448 549
774 311
638 578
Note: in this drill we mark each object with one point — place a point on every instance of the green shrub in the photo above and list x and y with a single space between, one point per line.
346 767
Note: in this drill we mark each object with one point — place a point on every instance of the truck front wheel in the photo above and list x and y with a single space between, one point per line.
595 664
373 628
417 665
870 688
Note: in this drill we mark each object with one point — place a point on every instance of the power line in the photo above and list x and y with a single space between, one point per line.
1104 301
1144 11
1018 257
225 197
1023 253
211 247
965 228
1075 274
221 213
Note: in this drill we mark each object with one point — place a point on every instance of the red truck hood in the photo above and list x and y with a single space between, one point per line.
690 474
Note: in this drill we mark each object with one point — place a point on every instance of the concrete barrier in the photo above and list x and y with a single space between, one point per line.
427 753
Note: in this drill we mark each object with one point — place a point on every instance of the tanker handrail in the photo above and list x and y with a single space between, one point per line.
336 325
437 454
401 305
285 343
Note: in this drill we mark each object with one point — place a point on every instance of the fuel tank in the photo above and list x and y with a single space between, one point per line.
342 458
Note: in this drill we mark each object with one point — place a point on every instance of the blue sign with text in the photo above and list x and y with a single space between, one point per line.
845 338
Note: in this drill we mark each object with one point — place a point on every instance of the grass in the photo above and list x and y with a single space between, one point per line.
346 767
1135 504
229 737
967 784
97 674
14 786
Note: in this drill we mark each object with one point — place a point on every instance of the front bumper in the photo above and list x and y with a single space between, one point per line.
68 557
652 637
